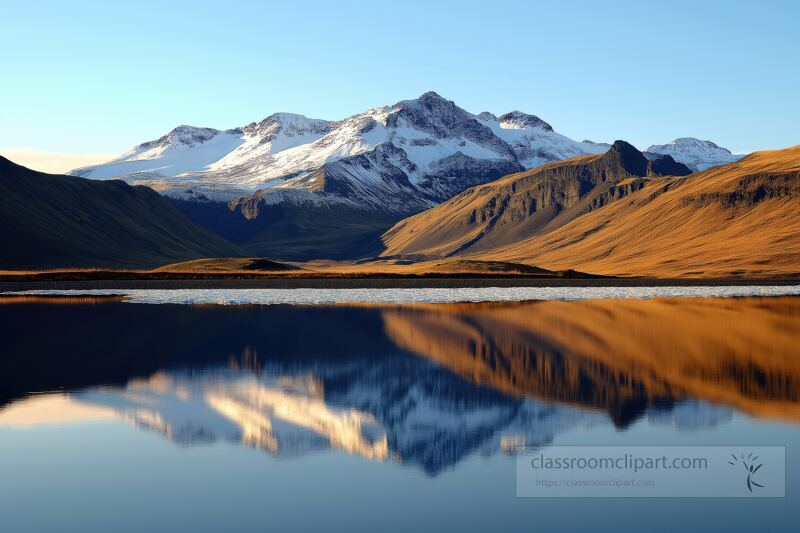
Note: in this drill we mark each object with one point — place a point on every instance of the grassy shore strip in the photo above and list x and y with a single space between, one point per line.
118 275
379 283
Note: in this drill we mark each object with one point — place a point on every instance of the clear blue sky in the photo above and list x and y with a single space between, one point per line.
89 77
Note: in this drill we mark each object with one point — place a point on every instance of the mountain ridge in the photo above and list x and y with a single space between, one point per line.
738 219
422 150
527 203
296 188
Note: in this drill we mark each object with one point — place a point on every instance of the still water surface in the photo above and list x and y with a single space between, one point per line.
119 416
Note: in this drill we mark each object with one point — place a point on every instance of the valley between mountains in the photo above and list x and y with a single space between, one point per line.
416 188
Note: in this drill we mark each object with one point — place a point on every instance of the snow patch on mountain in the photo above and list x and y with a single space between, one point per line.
185 149
534 141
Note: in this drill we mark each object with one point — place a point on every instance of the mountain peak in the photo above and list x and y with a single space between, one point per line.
436 103
623 146
429 103
697 154
290 124
182 135
185 129
285 118
293 120
631 159
431 96
698 143
519 120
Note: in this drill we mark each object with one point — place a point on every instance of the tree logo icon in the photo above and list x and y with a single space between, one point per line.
750 466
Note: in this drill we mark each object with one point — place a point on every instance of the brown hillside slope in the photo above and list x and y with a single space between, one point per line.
738 219
741 219
527 203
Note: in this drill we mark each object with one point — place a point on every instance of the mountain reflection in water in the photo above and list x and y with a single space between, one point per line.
424 385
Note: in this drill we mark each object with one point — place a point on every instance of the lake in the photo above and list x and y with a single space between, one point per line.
383 410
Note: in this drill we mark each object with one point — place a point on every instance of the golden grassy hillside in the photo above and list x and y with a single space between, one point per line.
465 218
741 219
527 203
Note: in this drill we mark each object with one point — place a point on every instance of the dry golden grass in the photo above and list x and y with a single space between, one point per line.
454 266
685 227
741 219
254 268
443 230
228 265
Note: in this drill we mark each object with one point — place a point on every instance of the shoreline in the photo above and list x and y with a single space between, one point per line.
383 283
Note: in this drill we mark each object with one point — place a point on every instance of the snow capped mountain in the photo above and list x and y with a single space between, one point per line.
694 153
400 159
296 188
405 157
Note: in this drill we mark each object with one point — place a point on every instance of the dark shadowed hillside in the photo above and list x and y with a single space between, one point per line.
292 230
53 221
